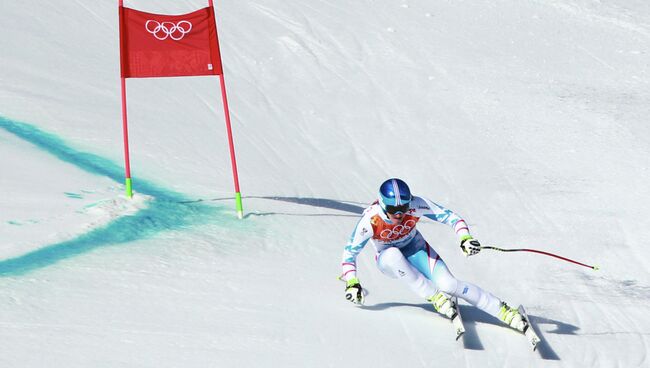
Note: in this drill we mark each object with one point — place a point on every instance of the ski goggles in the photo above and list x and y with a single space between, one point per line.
397 210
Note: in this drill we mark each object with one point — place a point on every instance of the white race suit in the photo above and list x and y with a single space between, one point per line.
402 252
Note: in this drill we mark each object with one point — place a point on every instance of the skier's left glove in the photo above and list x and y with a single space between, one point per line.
354 291
470 246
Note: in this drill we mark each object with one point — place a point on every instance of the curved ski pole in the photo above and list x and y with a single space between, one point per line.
540 252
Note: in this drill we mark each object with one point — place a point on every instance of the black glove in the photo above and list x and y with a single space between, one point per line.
470 246
354 291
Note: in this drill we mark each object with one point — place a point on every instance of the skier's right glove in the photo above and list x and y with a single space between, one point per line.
354 291
470 246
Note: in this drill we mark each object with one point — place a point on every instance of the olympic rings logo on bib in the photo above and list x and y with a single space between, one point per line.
164 30
397 231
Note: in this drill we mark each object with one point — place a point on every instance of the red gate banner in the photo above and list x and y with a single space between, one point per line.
156 45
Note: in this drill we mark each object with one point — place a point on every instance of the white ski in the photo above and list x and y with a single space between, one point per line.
530 333
457 321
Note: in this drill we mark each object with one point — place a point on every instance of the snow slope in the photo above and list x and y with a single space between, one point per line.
529 118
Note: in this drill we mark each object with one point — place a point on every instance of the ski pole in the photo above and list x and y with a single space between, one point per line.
541 252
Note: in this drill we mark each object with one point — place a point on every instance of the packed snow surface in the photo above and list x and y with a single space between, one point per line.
528 118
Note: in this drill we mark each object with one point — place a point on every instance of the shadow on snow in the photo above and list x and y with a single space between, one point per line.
472 316
331 204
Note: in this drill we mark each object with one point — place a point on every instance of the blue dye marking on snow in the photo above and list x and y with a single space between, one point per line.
165 212
73 195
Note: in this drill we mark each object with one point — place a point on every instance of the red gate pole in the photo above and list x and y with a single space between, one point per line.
231 145
233 161
125 130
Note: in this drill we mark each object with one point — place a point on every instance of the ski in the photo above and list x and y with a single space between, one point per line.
457 320
529 331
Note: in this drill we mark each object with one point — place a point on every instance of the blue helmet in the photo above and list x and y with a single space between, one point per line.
394 196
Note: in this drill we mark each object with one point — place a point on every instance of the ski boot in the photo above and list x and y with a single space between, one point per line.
443 305
512 318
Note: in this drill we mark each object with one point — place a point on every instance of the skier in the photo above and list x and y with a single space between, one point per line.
402 253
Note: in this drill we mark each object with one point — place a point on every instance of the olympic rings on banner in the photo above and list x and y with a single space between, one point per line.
397 231
165 30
